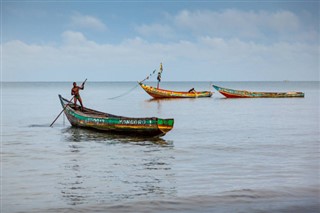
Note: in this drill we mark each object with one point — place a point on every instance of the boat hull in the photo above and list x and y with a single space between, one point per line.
100 121
231 93
161 93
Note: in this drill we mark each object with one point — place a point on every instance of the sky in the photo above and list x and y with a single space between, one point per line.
126 40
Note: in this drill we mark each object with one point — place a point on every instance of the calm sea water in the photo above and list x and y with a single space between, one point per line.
223 155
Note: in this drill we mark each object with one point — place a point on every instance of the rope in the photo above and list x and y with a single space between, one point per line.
126 93
133 88
153 72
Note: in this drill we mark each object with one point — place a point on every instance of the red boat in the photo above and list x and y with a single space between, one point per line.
231 93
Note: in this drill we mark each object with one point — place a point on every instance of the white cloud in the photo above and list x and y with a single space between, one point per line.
158 30
234 23
76 39
208 58
283 21
87 22
73 37
258 26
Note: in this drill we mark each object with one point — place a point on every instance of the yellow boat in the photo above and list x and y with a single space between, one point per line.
162 93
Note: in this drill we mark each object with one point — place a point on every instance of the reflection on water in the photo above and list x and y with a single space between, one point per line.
160 102
73 182
115 171
73 134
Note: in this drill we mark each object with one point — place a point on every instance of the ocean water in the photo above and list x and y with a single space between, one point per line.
223 155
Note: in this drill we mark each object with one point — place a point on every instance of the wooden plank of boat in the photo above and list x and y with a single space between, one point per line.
231 93
89 118
161 93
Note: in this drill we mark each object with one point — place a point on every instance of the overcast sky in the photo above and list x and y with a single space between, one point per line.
125 41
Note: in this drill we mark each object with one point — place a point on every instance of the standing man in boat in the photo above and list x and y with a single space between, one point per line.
159 75
75 92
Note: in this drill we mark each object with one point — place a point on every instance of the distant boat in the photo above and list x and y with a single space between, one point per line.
231 93
161 93
89 118
156 92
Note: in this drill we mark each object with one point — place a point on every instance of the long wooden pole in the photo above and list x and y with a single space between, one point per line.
61 111
65 106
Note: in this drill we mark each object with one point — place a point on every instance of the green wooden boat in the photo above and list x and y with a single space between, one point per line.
89 118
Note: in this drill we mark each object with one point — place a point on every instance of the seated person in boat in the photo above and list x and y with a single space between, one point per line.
75 92
192 90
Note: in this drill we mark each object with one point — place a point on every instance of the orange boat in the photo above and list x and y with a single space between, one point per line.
161 93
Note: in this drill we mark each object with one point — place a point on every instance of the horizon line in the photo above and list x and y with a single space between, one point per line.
118 81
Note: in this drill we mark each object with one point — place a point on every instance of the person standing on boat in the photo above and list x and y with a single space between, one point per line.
159 75
75 92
